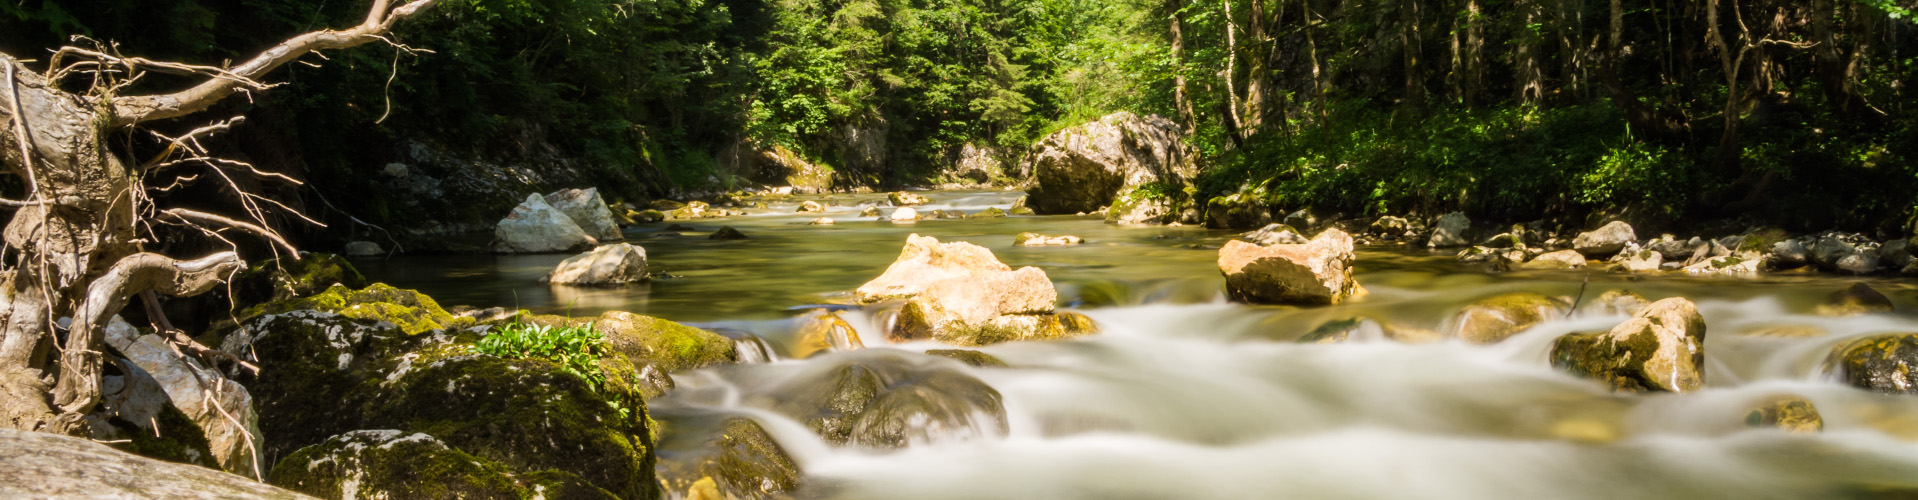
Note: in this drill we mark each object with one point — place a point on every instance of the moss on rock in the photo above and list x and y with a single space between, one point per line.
282 279
412 311
970 357
173 438
670 346
392 464
1790 413
1883 363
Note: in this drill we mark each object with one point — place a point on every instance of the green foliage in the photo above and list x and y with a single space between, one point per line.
575 349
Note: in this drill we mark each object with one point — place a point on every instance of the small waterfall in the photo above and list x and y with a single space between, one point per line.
754 350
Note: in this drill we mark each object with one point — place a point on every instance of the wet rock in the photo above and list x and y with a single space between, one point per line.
363 249
882 399
970 357
1390 227
1727 265
809 206
44 465
536 227
727 233
1083 168
1496 318
220 408
1785 331
1640 260
666 205
692 210
1855 300
1789 413
1790 254
925 260
587 210
1334 331
1275 234
739 460
1844 253
870 212
1605 241
1661 348
1882 363
1450 231
1562 259
673 347
904 214
608 265
392 464
1039 240
987 309
1896 254
1237 211
822 331
990 212
1673 249
413 312
1318 272
1147 204
906 199
1618 302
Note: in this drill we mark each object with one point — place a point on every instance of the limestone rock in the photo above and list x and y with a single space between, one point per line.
221 408
43 465
1496 318
536 227
1727 265
1082 168
1039 240
608 265
1661 348
970 357
990 213
986 309
587 210
977 165
1640 261
1882 363
810 207
1318 272
1605 241
925 260
906 199
822 221
1450 231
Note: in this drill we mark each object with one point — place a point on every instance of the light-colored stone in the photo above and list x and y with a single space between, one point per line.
1605 241
1390 227
904 214
536 227
1317 272
1562 259
395 170
1638 260
1274 234
1730 265
821 331
1497 318
822 221
588 210
1661 348
221 408
42 465
363 249
1039 240
1450 231
810 207
925 260
616 264
906 199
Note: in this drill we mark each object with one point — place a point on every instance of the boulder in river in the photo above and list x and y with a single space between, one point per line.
1625 302
1639 260
43 465
1390 227
822 331
904 214
990 213
1147 204
810 207
960 293
1562 259
1040 240
673 347
906 199
822 221
587 210
536 227
885 399
1661 348
1494 319
726 233
1788 413
870 212
738 460
608 265
1317 272
1450 231
1855 300
1883 363
1605 241
925 260
1082 168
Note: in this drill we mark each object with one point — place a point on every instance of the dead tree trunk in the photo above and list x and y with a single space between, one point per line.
73 248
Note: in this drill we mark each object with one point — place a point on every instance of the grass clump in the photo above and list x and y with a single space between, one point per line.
575 349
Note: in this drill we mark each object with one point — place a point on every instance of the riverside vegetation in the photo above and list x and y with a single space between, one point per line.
879 249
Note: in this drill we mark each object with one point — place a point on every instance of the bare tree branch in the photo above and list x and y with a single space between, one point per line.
262 232
79 387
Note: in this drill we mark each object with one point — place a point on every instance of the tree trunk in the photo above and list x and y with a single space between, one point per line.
1180 95
1527 76
1234 126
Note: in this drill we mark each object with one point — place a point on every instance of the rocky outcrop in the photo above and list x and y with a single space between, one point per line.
1882 363
609 265
1661 348
1317 272
1497 318
587 210
537 227
42 465
1605 241
1040 240
1082 168
960 293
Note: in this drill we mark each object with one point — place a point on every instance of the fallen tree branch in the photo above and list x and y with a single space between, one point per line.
78 389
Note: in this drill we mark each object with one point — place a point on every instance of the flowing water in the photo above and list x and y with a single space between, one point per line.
1184 395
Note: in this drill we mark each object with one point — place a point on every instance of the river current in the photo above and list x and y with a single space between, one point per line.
1185 395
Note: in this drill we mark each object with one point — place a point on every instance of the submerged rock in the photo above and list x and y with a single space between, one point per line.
588 211
727 233
1883 363
647 216
1618 302
1605 241
1318 272
1855 300
1789 413
608 265
1661 348
1039 240
882 399
44 465
1496 318
1450 231
970 357
870 212
822 331
537 227
1083 168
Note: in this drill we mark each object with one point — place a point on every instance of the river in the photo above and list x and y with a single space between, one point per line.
1185 395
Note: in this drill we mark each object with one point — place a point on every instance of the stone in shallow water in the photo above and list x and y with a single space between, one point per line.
1855 300
537 227
1496 318
616 264
1789 413
1604 241
883 399
1318 272
1039 240
1883 363
1661 348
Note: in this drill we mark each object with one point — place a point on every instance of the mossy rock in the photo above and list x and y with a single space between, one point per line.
738 460
413 312
970 357
1661 348
646 216
1883 363
992 212
392 464
1762 240
281 279
1790 413
670 346
886 400
324 367
1496 318
524 414
174 438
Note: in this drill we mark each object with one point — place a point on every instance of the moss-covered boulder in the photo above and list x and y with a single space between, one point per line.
1237 211
1146 204
324 366
1496 318
871 212
413 312
989 213
391 464
1789 413
1661 348
280 279
1855 300
1883 363
970 357
884 399
672 347
738 459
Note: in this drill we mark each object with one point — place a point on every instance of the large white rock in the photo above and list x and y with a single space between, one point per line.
221 408
925 260
536 227
1317 272
587 210
1605 241
616 264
